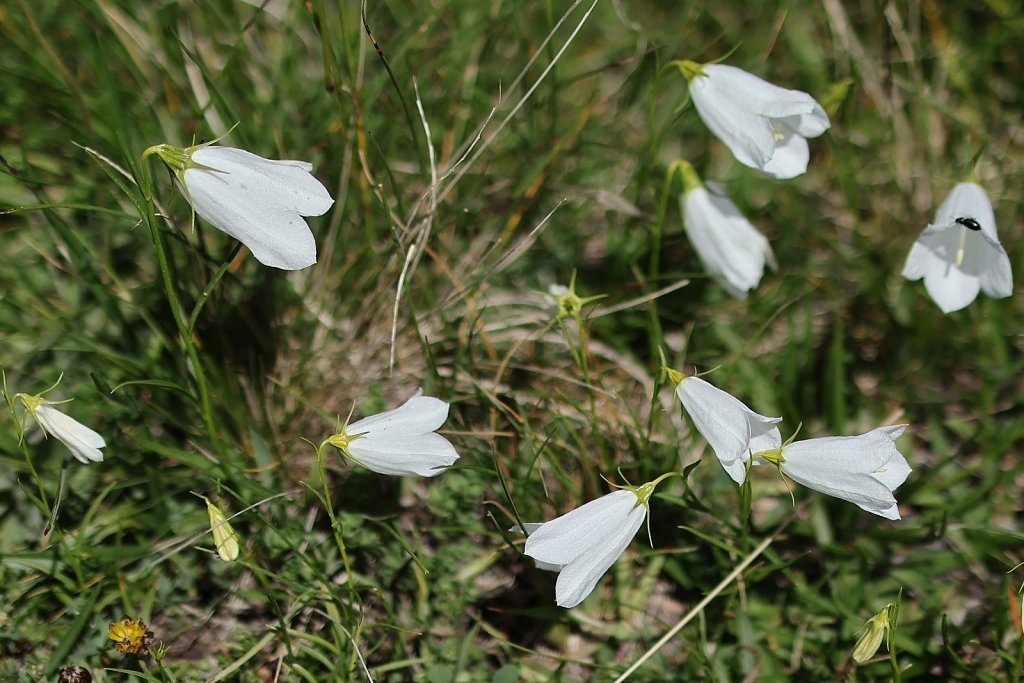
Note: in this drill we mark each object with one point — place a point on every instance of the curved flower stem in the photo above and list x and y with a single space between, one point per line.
654 137
42 503
178 312
335 523
654 264
659 219
745 501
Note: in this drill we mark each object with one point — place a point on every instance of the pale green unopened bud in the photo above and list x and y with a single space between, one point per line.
224 537
872 634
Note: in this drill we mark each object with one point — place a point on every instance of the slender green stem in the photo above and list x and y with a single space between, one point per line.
654 264
165 673
178 313
1019 668
44 503
894 664
336 529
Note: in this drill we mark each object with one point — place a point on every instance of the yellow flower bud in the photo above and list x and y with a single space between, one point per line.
871 636
224 536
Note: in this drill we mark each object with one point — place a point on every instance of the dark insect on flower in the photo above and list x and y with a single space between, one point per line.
74 674
969 223
130 636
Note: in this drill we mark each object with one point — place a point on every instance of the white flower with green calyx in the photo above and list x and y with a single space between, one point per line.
83 442
729 247
959 254
582 544
224 537
731 428
401 441
763 125
260 202
863 469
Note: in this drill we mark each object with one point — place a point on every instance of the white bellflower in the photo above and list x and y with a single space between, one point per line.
729 247
585 542
400 441
863 469
260 202
763 125
731 428
959 254
83 442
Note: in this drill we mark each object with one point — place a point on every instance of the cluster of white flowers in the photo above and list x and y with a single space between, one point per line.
766 127
863 469
262 203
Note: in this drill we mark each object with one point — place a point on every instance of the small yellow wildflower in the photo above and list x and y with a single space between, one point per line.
131 636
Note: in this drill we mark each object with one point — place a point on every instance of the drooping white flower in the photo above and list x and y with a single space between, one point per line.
764 126
586 541
729 247
400 441
84 443
863 469
260 202
959 254
731 428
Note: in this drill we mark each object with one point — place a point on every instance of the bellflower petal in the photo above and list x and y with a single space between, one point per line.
791 155
960 254
401 441
528 528
418 415
731 428
586 542
83 442
729 247
755 119
863 469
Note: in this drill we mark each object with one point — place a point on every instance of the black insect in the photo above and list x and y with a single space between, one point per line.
969 223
